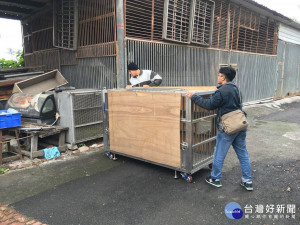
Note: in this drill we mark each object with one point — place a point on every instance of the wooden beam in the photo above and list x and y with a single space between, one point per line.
15 9
9 16
17 15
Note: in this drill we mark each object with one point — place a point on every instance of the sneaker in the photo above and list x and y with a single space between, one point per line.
247 186
213 182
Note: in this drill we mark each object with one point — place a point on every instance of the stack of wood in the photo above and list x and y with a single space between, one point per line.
8 77
6 87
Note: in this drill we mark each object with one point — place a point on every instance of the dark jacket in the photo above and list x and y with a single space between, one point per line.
225 99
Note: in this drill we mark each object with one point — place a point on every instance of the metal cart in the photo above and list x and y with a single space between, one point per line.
197 131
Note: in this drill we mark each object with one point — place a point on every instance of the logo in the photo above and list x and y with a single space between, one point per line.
233 211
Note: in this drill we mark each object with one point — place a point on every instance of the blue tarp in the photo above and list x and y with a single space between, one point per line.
50 153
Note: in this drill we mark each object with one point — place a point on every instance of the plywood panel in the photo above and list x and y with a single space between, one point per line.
197 88
145 125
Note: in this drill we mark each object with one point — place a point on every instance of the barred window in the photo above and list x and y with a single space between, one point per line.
65 14
202 27
177 20
188 21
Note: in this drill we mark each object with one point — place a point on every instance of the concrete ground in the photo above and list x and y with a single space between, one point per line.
88 188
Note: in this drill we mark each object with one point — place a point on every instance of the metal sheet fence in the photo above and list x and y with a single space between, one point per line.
291 69
92 73
256 75
182 65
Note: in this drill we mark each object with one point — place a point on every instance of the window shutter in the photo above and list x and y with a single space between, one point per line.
65 24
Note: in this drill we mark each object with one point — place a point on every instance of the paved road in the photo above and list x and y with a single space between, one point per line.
92 189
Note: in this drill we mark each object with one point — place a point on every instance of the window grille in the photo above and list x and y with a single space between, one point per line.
65 15
203 15
238 28
221 22
148 23
188 21
177 20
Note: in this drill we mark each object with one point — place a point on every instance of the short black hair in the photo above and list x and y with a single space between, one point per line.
229 72
132 66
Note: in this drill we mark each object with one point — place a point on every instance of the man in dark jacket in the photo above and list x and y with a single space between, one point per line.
226 99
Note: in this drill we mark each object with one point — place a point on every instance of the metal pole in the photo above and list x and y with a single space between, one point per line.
188 152
121 73
105 119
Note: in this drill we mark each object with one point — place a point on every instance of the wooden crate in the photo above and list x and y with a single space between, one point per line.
146 124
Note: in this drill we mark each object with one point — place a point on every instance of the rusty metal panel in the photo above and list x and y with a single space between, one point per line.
150 24
96 20
92 73
97 50
45 60
238 28
280 68
231 26
220 26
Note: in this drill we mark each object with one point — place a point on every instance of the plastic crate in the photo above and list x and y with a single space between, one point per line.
8 120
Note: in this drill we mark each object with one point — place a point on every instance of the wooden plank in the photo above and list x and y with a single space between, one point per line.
146 125
33 146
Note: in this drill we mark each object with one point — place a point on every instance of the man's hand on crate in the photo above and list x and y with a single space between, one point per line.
189 94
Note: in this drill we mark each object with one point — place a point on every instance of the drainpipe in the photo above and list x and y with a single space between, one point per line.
120 49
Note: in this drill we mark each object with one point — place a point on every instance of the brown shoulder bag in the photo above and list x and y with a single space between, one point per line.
234 121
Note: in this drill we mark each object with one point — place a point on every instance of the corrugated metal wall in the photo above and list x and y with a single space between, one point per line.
259 76
182 65
92 73
256 75
290 68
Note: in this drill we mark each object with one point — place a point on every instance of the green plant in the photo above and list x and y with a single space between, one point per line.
3 170
81 144
6 64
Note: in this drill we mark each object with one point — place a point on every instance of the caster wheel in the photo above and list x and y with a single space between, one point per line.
188 178
110 155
